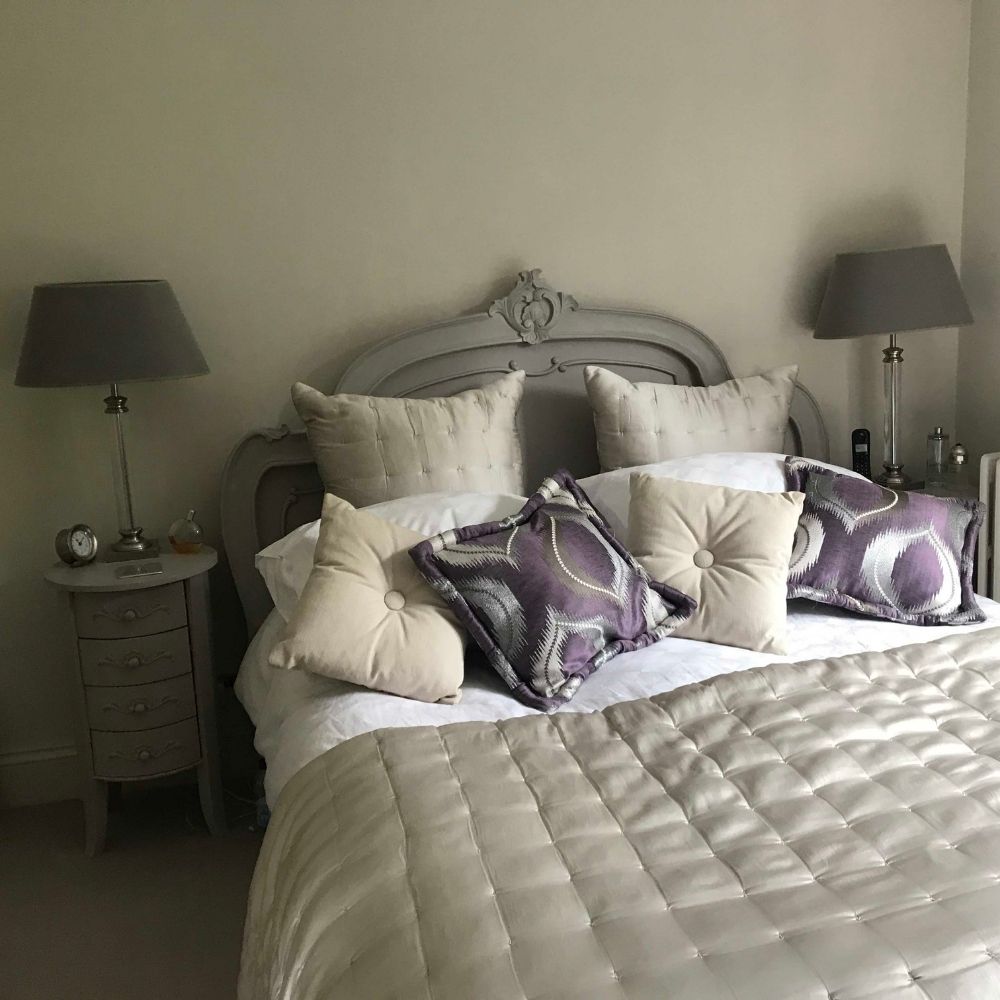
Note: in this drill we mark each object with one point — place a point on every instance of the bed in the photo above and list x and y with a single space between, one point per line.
825 825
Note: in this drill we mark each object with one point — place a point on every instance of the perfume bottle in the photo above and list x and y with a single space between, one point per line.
957 477
937 457
185 535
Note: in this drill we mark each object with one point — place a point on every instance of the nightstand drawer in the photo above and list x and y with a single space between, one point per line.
110 662
147 753
135 612
141 706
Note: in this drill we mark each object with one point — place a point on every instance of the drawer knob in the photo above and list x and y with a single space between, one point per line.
142 754
134 659
139 707
128 615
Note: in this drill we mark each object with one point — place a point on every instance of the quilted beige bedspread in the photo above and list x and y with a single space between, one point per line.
829 829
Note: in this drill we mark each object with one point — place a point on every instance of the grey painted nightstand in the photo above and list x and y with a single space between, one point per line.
144 680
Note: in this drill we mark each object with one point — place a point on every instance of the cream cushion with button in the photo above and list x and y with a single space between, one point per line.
367 616
373 448
643 422
729 549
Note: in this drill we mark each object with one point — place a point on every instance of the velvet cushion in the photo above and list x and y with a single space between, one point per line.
367 616
371 448
727 548
881 552
549 594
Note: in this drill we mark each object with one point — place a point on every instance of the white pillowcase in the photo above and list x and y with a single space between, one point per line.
763 472
286 564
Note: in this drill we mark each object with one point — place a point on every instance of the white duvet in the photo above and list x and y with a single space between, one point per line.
300 716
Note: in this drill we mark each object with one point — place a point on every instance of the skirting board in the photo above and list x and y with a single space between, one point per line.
34 776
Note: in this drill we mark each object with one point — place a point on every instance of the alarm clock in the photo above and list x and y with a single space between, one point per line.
77 546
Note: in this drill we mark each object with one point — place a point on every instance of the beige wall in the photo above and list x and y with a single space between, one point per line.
978 423
312 176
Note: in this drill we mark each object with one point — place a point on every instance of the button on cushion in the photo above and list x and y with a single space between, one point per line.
729 549
368 617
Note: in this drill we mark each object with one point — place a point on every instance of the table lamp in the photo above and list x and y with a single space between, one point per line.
94 332
889 291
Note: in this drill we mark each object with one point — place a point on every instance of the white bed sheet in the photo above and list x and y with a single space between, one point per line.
300 715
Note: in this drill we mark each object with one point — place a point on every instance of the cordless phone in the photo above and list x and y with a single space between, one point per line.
861 447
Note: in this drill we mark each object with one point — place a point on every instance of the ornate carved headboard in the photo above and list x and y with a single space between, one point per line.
270 484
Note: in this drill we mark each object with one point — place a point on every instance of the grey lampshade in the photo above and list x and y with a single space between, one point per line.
95 332
888 291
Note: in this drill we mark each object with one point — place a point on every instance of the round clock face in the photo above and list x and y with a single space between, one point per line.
81 542
76 545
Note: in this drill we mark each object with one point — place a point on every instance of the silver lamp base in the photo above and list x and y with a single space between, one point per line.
132 545
894 479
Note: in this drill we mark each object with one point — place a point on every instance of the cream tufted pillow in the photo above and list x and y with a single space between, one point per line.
729 549
367 616
643 422
374 448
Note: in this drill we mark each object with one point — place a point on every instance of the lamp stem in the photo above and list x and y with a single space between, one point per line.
892 358
131 544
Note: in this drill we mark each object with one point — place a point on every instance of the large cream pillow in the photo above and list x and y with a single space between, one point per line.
643 422
374 448
729 549
367 616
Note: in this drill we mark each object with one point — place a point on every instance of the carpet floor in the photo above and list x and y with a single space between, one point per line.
158 915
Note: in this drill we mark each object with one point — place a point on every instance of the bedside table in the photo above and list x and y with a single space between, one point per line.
964 491
146 689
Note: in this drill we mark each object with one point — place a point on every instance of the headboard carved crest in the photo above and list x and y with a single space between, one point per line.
532 307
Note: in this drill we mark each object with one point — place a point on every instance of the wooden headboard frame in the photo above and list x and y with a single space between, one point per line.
270 484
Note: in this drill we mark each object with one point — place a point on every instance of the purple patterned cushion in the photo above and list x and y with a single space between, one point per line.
548 593
896 555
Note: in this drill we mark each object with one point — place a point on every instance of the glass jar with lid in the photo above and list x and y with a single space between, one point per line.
957 478
937 457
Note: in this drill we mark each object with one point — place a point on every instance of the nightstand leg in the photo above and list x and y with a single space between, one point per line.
209 776
95 808
211 795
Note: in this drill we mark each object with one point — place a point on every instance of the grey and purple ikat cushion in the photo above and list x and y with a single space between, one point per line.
548 593
881 552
